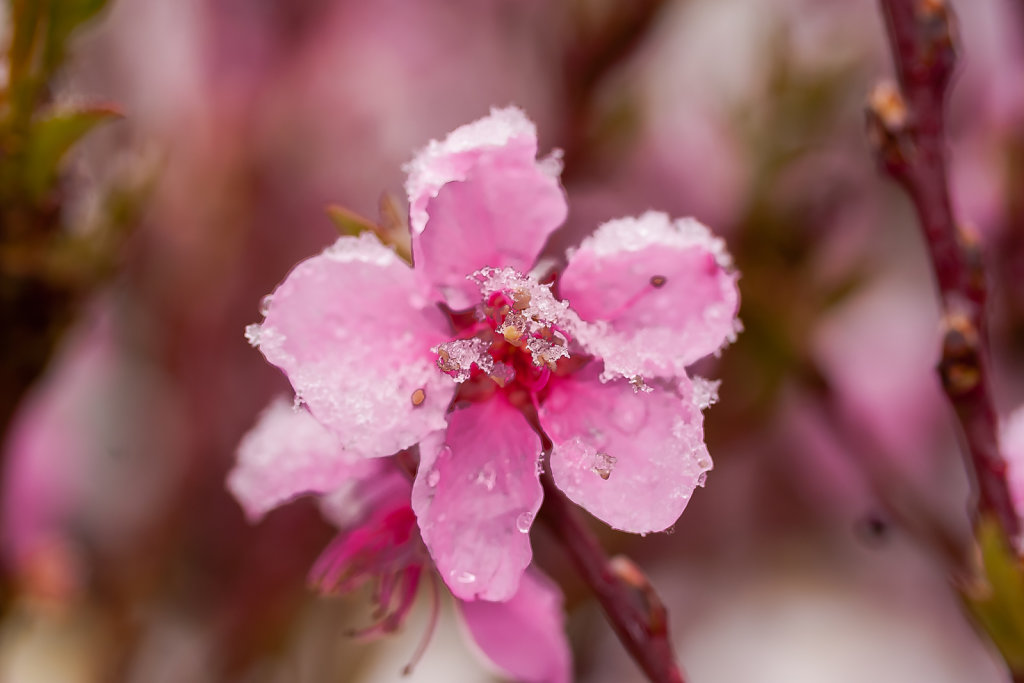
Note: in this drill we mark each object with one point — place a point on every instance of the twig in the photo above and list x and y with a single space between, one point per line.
630 603
907 130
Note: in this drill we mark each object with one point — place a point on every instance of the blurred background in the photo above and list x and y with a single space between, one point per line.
822 546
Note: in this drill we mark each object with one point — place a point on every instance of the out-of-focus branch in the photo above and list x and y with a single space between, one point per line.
907 126
587 64
630 603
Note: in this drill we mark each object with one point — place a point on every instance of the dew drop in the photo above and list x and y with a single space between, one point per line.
433 477
461 577
487 476
265 305
603 465
523 522
630 414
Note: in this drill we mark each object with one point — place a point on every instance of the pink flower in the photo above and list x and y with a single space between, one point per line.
470 357
379 544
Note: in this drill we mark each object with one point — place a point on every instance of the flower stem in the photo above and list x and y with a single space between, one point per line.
632 607
907 128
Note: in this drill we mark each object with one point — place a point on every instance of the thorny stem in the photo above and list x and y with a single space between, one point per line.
907 131
633 609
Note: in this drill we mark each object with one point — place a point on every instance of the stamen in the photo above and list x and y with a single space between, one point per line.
418 397
435 611
521 299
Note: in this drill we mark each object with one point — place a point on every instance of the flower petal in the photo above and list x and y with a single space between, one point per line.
481 198
476 493
353 333
524 636
663 287
286 454
631 458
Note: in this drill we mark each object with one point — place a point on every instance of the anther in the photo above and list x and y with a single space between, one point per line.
418 397
658 281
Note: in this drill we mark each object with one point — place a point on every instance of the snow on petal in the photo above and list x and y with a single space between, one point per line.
664 289
353 332
287 454
524 637
475 496
631 458
481 198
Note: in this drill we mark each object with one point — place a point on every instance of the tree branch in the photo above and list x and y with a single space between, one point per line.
906 126
632 607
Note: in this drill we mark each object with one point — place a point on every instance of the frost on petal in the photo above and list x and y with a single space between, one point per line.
286 454
632 459
663 290
458 356
475 496
353 332
481 198
525 636
1013 450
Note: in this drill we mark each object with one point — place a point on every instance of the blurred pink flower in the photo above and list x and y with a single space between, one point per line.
1013 450
379 544
362 337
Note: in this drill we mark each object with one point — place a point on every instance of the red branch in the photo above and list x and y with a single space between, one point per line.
907 130
633 609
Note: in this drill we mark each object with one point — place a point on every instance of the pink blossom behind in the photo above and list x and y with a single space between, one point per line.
378 542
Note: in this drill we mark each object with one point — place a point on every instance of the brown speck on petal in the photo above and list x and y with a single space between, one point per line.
658 280
418 397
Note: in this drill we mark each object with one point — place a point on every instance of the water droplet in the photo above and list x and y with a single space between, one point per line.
265 305
433 477
603 465
461 577
630 413
487 476
702 478
524 521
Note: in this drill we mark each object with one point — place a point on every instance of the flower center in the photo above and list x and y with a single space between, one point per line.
515 340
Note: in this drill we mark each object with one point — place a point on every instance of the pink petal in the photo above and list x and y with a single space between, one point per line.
525 636
664 288
475 495
631 458
353 333
286 454
480 199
